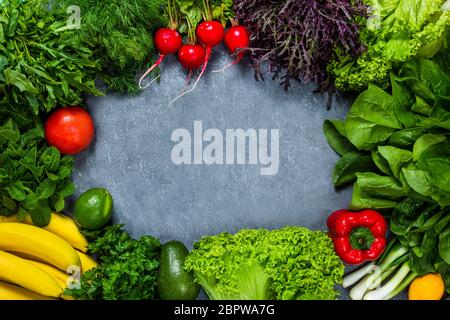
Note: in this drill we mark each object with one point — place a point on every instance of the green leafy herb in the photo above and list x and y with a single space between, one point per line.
127 268
122 33
392 147
34 178
397 31
42 64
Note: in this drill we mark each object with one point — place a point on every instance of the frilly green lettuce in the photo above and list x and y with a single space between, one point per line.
288 264
397 31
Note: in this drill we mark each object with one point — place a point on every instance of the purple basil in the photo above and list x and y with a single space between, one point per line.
298 38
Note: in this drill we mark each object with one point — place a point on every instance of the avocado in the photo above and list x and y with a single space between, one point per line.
174 283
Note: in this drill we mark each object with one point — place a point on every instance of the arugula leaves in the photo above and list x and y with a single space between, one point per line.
42 65
34 178
396 145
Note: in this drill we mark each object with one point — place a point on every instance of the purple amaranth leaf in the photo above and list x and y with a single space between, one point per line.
298 38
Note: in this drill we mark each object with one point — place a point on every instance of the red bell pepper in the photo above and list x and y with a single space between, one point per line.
358 236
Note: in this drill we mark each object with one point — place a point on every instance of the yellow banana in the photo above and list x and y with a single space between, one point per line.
38 242
12 292
19 271
87 263
60 277
61 225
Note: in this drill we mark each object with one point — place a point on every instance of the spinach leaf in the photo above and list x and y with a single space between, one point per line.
380 186
444 269
366 135
396 157
403 100
418 180
380 162
422 107
436 161
444 245
334 133
442 222
371 119
427 80
377 106
424 256
363 200
424 142
441 122
348 165
406 137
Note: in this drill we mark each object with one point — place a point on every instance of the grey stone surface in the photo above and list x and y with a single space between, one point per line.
131 156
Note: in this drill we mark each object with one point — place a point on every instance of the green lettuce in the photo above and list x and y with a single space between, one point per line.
292 263
397 31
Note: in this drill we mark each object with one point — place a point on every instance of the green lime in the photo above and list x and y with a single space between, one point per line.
93 208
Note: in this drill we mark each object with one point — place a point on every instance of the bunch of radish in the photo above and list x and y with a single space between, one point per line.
194 55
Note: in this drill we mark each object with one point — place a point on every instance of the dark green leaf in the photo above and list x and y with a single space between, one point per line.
349 165
380 186
380 162
444 245
51 158
15 78
16 192
396 157
59 204
45 189
442 223
363 200
424 142
423 258
406 137
67 190
333 130
41 215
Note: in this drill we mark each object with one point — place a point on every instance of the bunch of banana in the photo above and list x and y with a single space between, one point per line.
39 263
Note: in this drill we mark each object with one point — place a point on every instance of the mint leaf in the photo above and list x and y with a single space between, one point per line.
16 193
67 190
51 159
34 178
41 215
45 189
59 204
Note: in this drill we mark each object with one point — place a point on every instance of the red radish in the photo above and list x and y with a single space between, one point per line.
210 34
167 41
236 39
191 56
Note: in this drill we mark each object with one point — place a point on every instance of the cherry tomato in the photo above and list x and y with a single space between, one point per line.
69 129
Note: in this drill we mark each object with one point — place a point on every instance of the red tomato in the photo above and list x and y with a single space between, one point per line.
69 129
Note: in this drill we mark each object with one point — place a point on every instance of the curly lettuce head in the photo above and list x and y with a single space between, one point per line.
290 263
397 31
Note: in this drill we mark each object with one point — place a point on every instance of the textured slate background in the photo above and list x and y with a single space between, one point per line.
131 156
